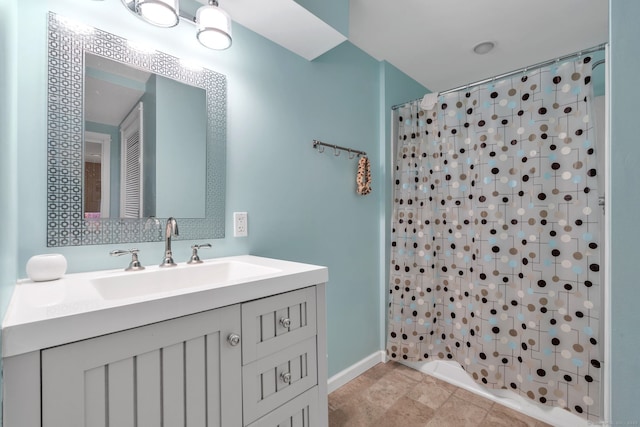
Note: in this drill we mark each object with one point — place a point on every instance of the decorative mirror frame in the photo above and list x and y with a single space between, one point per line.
66 225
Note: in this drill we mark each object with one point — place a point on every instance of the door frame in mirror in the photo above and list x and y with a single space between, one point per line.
66 225
105 169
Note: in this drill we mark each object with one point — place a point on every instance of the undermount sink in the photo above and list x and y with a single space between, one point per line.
147 282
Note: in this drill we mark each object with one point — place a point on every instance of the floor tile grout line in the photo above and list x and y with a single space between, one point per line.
486 415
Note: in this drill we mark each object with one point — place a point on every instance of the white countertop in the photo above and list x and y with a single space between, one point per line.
47 314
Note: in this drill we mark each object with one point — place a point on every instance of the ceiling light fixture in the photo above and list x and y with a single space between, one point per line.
484 47
161 13
213 25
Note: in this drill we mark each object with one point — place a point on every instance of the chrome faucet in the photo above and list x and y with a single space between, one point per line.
170 231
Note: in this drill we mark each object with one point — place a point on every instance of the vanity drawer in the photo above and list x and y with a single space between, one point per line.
299 412
276 379
271 324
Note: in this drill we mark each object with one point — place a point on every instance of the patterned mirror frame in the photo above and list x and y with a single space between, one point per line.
66 225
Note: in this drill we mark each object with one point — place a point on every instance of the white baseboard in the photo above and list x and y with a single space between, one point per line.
346 375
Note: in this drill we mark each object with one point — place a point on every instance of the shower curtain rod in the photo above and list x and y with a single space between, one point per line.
520 70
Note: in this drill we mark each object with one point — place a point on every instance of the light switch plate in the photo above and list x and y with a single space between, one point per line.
240 224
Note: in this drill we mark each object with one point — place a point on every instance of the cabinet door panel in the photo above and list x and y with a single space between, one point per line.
195 379
95 383
149 392
148 374
173 385
121 393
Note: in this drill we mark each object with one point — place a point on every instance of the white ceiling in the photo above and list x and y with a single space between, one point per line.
432 40
107 102
286 23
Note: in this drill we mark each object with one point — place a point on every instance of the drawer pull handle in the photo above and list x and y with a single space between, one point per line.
285 377
233 339
285 322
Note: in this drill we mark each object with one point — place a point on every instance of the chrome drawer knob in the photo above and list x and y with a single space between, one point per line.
233 339
285 377
285 322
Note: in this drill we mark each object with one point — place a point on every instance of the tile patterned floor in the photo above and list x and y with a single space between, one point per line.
392 395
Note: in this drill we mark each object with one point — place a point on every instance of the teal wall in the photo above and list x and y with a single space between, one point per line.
8 159
302 204
624 199
396 89
333 12
181 137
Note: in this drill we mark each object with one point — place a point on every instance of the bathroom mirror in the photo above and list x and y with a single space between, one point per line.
186 181
137 126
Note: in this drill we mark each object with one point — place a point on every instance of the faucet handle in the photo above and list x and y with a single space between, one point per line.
135 264
195 259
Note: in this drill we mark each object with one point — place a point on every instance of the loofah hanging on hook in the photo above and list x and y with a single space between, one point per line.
363 178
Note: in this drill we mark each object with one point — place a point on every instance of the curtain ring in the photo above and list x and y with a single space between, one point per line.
320 148
336 152
351 155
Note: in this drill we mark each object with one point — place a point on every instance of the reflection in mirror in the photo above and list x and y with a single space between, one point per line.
176 131
154 124
97 175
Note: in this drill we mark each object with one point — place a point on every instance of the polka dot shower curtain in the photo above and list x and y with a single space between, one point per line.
495 246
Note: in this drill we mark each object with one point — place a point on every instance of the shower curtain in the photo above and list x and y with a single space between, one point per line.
495 258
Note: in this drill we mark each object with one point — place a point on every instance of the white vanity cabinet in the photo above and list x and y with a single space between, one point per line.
256 358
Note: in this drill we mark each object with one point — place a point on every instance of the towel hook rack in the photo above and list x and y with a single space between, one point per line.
337 149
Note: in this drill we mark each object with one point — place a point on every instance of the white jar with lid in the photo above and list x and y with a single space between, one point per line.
45 267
